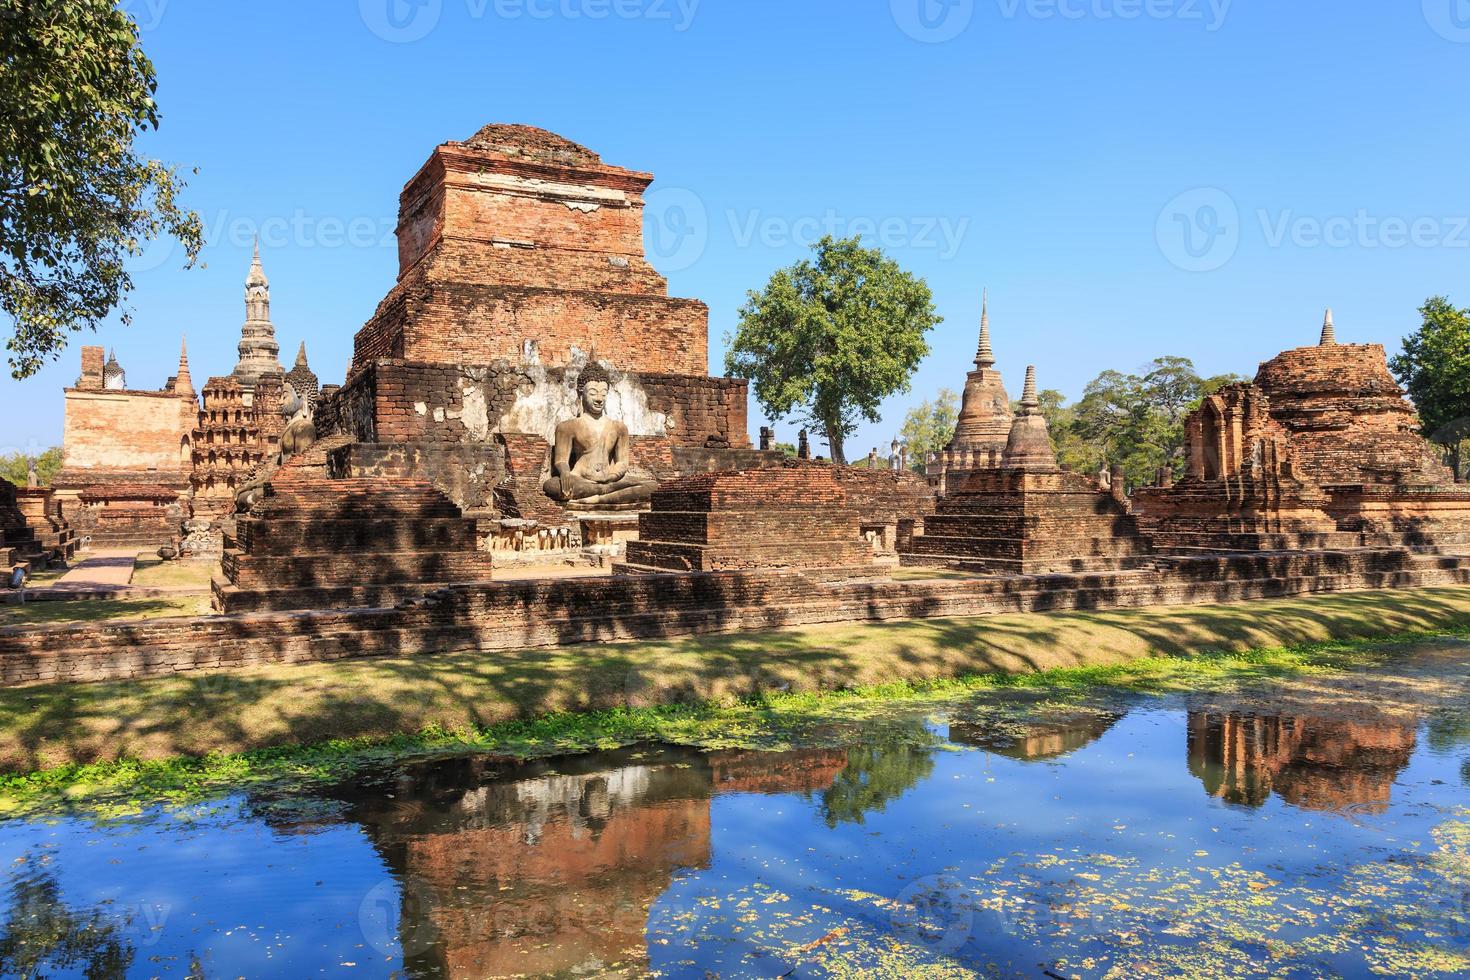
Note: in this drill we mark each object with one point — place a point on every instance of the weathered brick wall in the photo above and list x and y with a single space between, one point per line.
314 543
127 431
395 401
797 515
518 234
1016 521
473 323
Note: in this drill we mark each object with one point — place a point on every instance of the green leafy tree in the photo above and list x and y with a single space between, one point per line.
76 199
1435 369
16 467
1135 420
929 427
1074 452
832 337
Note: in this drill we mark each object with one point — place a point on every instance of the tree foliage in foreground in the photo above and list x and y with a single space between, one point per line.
832 336
1435 369
76 199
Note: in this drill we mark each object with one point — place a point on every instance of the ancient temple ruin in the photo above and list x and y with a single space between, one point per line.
1025 515
522 274
1322 449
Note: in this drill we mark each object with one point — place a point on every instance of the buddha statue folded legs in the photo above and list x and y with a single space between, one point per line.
591 462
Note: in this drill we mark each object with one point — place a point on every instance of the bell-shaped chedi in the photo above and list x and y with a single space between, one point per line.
985 413
1028 446
1027 516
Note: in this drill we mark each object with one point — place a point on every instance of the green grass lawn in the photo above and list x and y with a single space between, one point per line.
104 610
152 572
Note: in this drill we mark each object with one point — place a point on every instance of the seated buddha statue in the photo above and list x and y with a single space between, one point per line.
591 462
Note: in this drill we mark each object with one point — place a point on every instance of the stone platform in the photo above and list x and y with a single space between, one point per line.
517 615
313 543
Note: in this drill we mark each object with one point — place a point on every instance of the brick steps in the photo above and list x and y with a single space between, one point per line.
314 543
291 536
519 615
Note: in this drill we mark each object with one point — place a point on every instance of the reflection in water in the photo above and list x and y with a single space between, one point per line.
875 775
552 867
44 937
896 856
1039 741
1315 763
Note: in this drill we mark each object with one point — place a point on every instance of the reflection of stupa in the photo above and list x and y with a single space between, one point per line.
552 868
1313 763
1041 740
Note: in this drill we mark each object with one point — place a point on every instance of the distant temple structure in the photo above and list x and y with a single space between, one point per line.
139 464
1320 448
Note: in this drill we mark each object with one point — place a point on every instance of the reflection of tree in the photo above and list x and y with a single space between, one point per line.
876 774
1448 730
43 937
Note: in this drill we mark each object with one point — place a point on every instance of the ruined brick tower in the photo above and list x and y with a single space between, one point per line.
518 234
521 259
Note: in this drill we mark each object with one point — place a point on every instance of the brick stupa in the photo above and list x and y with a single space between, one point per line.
1322 448
1027 516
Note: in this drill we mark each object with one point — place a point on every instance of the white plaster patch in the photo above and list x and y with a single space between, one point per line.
476 409
421 408
438 415
586 207
549 403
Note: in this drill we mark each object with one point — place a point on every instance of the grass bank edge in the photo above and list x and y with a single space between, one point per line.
127 784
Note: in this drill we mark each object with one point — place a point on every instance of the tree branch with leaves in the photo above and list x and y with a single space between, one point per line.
76 198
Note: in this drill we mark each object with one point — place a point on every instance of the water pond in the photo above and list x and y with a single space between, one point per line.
1312 828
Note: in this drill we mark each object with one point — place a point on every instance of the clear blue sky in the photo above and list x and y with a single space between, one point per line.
1055 150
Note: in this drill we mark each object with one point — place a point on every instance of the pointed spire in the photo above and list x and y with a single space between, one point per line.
1329 331
985 357
1030 401
301 356
184 384
257 271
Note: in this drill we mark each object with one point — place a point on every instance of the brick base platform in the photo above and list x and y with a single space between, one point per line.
1017 522
794 516
312 543
507 616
